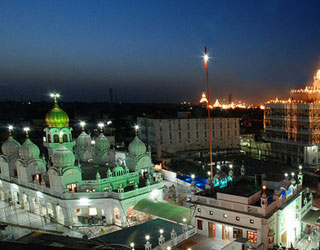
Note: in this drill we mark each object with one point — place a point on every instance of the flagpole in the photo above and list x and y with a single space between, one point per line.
206 58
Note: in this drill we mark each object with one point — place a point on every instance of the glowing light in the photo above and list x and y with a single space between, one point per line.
205 58
168 248
147 237
292 174
10 127
300 167
230 166
184 220
93 142
218 167
132 244
136 127
161 231
26 129
100 125
209 173
82 124
264 187
286 175
109 122
203 98
84 201
193 176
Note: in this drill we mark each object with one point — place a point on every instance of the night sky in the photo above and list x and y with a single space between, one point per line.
150 51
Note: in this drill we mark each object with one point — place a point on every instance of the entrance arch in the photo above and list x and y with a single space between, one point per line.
117 217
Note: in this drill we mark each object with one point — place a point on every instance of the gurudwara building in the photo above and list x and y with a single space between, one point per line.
81 181
257 211
293 126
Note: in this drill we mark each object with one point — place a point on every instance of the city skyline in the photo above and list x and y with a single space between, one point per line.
151 52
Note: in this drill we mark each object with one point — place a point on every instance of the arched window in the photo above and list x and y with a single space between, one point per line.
49 139
65 138
56 138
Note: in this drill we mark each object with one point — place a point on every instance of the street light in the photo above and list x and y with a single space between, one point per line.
101 126
26 129
10 127
132 245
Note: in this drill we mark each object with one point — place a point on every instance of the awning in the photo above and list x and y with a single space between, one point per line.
164 210
311 217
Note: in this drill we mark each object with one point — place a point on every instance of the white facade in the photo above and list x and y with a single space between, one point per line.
264 223
173 135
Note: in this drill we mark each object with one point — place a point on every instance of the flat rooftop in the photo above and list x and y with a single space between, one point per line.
244 187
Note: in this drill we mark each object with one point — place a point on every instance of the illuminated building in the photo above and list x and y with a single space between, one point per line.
183 134
217 104
266 210
81 179
292 126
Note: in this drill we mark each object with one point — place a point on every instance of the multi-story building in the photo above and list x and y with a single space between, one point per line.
293 126
82 180
264 211
182 134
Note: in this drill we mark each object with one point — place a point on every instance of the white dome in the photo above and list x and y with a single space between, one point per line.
63 157
102 142
10 146
83 140
29 150
137 147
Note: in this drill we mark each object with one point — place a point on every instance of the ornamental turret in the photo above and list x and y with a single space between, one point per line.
10 147
57 130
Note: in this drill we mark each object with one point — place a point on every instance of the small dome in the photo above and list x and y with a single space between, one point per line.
56 117
102 142
29 150
10 147
83 140
137 147
63 157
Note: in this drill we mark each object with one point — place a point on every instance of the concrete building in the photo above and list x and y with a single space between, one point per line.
254 149
83 181
260 212
292 126
181 134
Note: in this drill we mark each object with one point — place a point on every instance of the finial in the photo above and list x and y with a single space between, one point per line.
10 128
136 127
82 124
26 129
54 96
101 126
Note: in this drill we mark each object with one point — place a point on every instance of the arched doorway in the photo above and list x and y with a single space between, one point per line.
132 216
25 202
117 217
60 216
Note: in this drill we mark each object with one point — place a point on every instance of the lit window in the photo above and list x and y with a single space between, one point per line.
225 215
93 211
252 236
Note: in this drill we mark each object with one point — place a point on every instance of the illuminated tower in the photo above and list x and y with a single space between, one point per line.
57 130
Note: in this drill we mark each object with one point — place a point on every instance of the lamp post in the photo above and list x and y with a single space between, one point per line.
101 126
206 59
26 130
132 245
10 128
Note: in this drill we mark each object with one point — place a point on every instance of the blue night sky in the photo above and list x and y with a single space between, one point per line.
150 51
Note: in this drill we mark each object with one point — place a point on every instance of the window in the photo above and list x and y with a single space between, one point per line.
238 218
211 213
252 236
225 216
197 134
65 138
199 223
93 211
188 135
179 135
56 138
251 221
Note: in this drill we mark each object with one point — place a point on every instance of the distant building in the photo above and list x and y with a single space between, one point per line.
182 134
255 149
293 126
